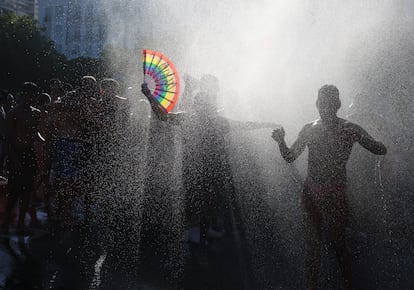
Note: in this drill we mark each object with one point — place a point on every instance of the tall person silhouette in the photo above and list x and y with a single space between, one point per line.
329 140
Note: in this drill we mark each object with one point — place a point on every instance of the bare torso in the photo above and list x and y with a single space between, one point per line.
329 151
330 145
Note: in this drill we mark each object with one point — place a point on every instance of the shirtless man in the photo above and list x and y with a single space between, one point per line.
22 133
329 140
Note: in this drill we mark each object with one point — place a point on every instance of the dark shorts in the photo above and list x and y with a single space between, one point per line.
21 180
66 163
329 203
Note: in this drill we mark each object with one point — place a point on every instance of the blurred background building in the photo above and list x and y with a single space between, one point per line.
79 27
75 26
20 7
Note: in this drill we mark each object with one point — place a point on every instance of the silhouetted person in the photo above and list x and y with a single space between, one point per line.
207 176
206 169
22 133
7 103
44 151
115 110
3 147
329 141
73 136
56 89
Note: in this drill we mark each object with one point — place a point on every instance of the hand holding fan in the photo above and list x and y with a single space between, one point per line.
162 72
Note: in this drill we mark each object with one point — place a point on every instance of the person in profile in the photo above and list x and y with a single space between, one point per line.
329 140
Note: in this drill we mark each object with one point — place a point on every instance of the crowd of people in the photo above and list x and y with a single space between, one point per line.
48 139
57 139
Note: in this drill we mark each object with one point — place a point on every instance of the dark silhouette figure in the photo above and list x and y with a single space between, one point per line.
72 116
3 147
329 141
56 89
22 133
210 207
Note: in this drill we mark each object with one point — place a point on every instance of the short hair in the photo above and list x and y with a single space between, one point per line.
329 93
30 88
67 87
88 81
44 99
110 84
55 81
91 78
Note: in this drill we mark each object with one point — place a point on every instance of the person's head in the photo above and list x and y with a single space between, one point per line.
328 102
56 89
43 100
88 85
29 93
109 87
67 87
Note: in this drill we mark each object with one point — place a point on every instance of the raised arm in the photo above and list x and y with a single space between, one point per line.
174 118
368 142
290 154
154 106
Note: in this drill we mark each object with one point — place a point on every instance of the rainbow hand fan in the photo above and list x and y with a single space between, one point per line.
165 77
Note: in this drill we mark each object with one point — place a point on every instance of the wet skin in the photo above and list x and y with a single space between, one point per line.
330 145
329 140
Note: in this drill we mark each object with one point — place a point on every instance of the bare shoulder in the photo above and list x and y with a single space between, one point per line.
314 125
121 99
35 110
68 95
122 103
351 126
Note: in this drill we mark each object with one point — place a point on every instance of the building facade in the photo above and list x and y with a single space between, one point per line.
75 26
86 27
20 7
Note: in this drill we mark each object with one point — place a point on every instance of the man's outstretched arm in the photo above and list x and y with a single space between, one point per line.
369 142
242 125
290 154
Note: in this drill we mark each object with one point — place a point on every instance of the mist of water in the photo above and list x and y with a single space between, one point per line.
274 54
271 57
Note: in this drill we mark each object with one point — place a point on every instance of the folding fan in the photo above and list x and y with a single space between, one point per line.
164 75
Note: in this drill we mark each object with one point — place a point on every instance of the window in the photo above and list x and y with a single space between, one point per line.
48 14
76 13
102 32
90 12
59 12
76 34
58 30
